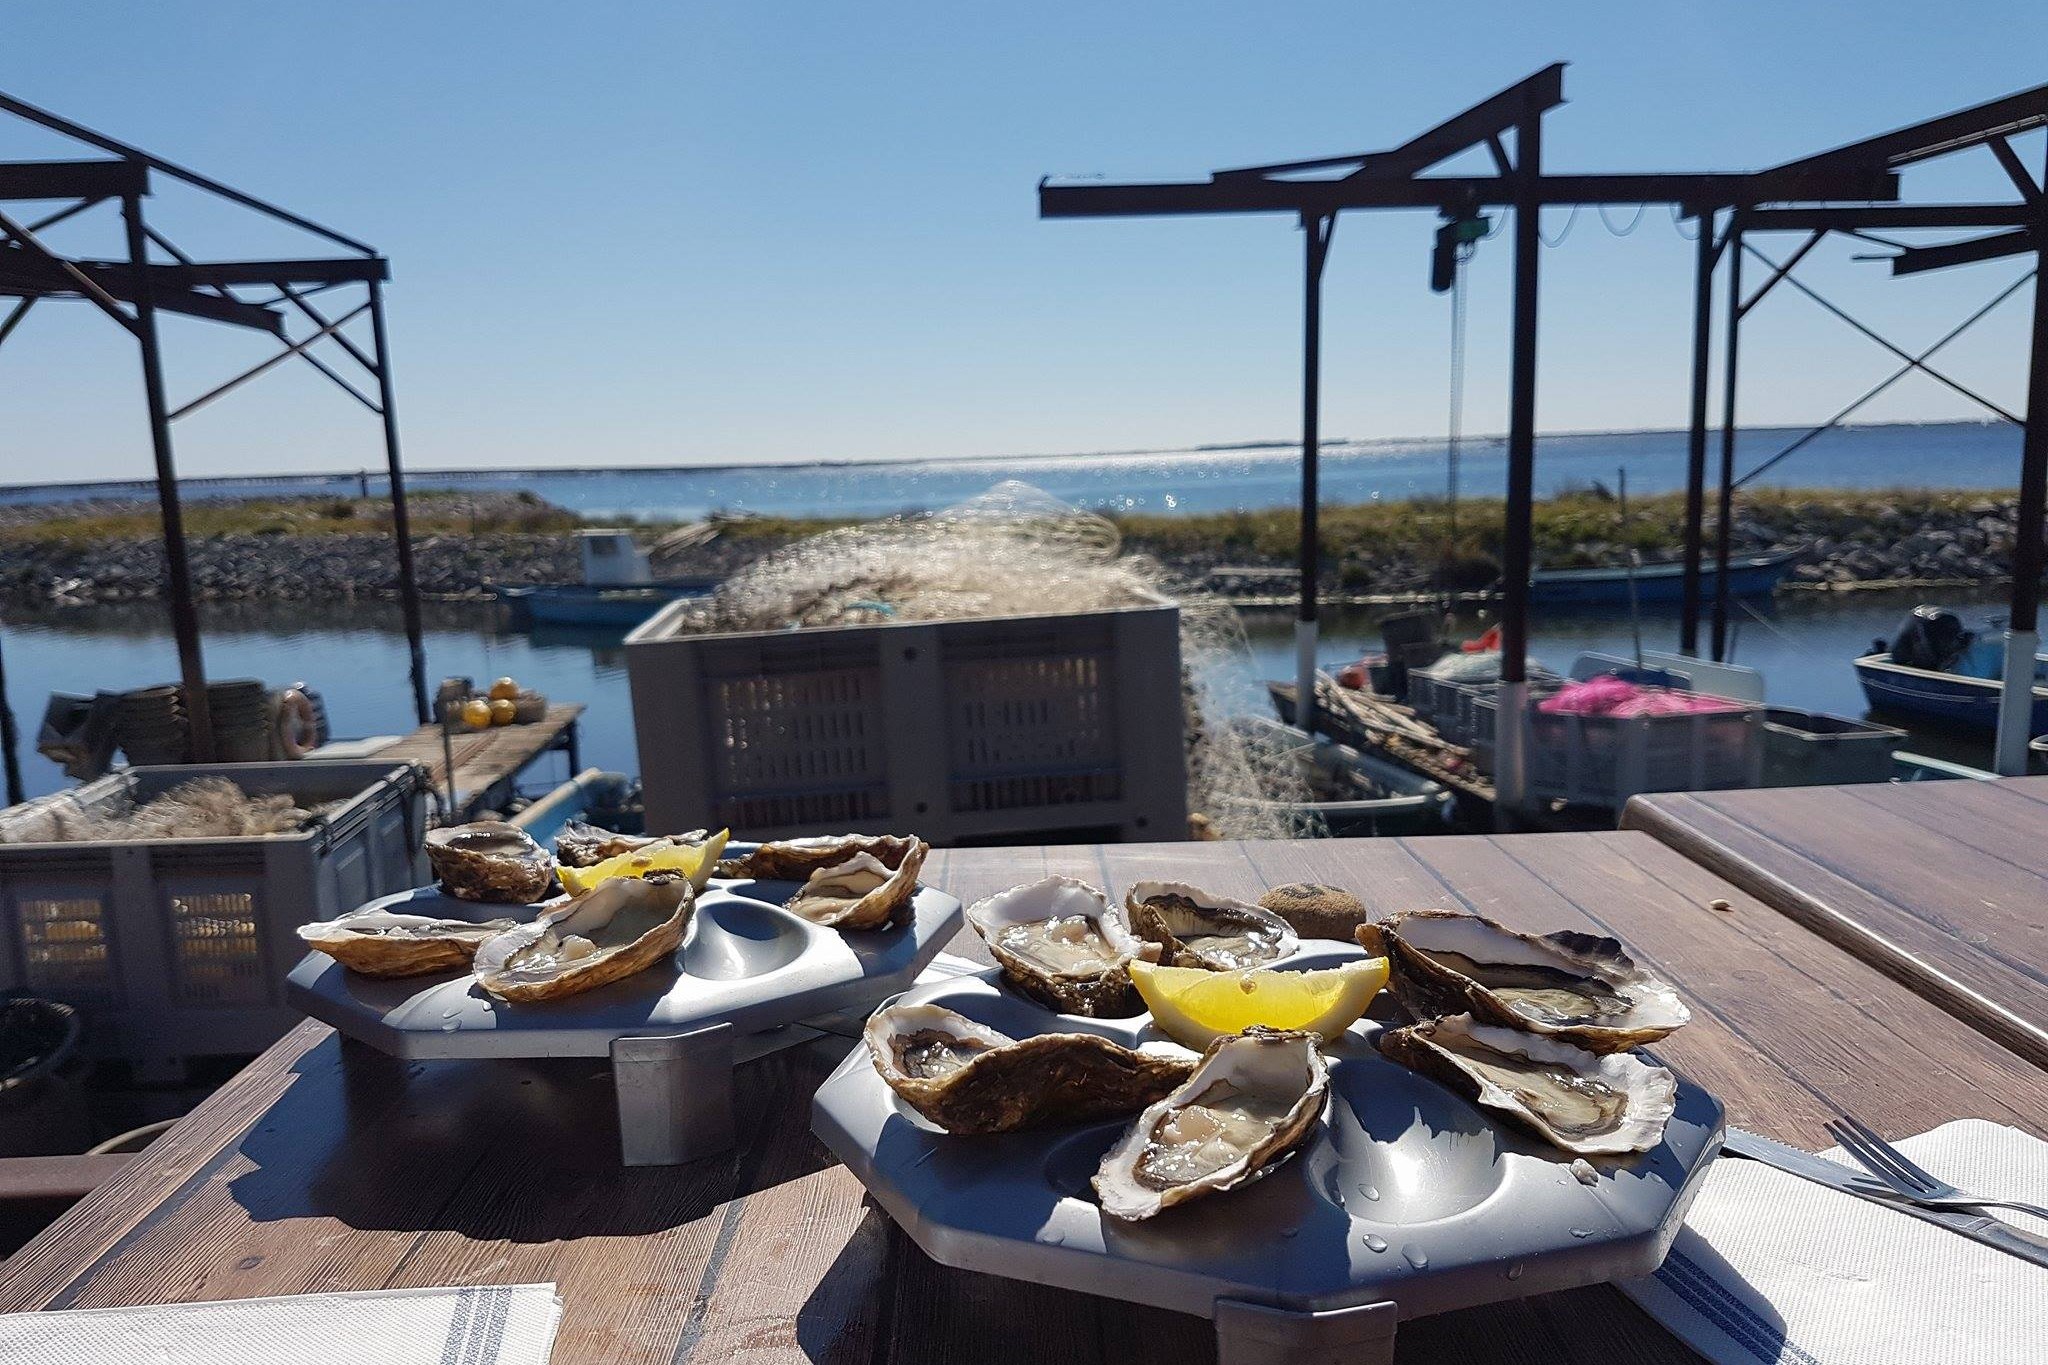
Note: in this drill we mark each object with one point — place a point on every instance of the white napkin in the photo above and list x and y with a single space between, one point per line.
481 1325
1770 1267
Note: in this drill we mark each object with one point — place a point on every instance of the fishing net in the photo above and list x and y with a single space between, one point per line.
1018 551
203 808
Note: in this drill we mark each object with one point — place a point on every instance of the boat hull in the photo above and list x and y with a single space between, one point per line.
1657 584
575 604
1952 700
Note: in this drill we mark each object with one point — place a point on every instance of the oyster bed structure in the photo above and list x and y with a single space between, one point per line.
967 1078
615 929
388 943
1252 1100
1197 928
1578 988
490 861
1059 943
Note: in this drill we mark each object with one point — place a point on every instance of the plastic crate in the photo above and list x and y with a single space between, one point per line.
1482 718
175 948
1812 749
952 730
1604 760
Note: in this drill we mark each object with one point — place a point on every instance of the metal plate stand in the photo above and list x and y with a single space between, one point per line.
1253 1334
675 1096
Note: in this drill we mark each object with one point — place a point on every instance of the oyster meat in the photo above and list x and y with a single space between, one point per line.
387 943
1058 942
968 1078
861 893
1576 987
1580 1101
1253 1099
1197 928
794 860
490 861
618 927
585 845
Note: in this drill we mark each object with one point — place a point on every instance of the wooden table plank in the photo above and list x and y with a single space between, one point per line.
324 1166
1941 885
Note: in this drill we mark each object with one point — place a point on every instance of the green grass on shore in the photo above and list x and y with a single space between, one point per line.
432 513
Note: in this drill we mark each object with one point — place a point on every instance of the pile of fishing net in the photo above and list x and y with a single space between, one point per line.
1018 551
203 808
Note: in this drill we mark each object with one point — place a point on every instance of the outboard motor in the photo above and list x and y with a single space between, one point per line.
1930 637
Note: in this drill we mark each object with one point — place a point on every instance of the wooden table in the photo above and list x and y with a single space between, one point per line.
324 1168
1942 885
487 761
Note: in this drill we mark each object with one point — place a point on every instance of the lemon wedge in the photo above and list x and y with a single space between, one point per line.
694 861
1194 1007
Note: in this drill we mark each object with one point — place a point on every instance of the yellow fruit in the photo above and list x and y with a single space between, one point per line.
505 689
476 713
692 860
502 711
1194 1007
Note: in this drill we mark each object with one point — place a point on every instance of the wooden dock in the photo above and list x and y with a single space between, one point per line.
487 762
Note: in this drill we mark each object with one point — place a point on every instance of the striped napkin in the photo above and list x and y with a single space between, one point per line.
479 1325
1770 1267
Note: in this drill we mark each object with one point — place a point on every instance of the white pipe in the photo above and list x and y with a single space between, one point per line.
2016 704
1511 755
1305 676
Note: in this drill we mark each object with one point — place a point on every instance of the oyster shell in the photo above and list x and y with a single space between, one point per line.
386 943
1577 1100
1197 928
794 860
1576 987
1058 942
490 861
861 893
1317 910
1253 1098
618 927
968 1078
585 845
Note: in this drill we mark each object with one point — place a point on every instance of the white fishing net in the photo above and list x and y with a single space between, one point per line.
1018 551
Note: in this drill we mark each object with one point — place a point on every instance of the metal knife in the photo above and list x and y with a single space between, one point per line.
1976 1226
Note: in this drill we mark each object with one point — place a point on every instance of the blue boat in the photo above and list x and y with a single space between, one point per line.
1658 584
1938 673
587 604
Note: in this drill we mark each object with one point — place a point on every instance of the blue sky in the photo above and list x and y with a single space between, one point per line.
730 232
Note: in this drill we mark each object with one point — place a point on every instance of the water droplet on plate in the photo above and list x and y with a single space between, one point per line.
1415 1256
1053 1237
1289 1232
451 1026
1582 1232
1369 1192
449 1014
1374 1242
1515 1270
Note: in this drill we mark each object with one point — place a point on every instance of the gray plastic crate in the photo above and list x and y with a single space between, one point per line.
953 730
175 948
1812 749
1604 760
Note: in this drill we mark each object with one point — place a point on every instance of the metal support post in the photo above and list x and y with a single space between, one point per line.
401 520
674 1096
1511 757
1317 229
2022 637
1724 527
1696 435
178 571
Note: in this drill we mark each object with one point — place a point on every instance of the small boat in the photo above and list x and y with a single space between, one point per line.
1658 584
591 604
1356 793
1939 672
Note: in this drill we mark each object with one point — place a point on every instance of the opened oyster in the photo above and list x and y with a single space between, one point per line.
1058 943
618 927
387 943
794 860
490 861
968 1078
1252 1100
585 845
1197 928
861 893
1576 987
1578 1100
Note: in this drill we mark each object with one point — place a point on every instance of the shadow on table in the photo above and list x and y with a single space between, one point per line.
525 1151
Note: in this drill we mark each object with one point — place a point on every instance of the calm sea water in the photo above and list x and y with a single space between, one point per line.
1944 455
356 656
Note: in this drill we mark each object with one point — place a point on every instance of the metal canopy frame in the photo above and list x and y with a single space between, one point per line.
133 291
1316 191
2021 229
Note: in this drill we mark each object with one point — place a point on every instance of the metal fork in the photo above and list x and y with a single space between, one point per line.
1907 1180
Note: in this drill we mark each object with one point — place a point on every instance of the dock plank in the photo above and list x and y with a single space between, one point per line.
485 758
